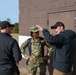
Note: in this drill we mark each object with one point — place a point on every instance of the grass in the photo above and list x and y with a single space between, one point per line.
15 35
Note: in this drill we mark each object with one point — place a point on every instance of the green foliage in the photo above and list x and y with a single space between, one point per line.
8 19
16 28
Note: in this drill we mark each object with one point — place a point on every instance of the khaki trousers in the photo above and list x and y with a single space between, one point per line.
57 72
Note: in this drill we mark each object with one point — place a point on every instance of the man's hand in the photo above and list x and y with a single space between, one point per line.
39 27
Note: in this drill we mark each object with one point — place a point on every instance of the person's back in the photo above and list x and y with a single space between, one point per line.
9 51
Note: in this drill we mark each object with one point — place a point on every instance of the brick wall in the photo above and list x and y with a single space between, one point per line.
34 12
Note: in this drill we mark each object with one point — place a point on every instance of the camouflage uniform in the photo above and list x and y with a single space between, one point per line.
36 62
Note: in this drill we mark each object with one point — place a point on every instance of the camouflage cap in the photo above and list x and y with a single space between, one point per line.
34 29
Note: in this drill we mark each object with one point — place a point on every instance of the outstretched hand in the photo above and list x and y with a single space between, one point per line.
39 27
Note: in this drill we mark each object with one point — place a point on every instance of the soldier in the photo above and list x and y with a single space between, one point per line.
35 52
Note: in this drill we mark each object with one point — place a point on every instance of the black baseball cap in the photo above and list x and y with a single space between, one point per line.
57 24
4 24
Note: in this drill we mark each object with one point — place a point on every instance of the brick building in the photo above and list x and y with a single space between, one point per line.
45 13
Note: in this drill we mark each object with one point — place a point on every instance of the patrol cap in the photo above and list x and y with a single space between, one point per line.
34 29
57 24
4 24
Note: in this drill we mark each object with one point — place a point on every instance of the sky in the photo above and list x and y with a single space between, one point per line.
9 9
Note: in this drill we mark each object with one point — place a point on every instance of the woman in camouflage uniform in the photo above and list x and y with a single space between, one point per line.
35 52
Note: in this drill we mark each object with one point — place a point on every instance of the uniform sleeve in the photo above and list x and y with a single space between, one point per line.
50 50
49 47
16 51
23 47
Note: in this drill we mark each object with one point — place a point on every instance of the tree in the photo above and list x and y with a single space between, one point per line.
16 28
8 19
